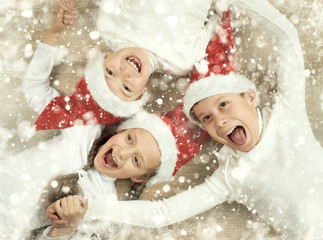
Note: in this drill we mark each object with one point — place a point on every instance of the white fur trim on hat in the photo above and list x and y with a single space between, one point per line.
212 85
164 137
94 76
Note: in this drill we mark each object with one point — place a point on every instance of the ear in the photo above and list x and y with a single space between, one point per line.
143 91
252 97
140 179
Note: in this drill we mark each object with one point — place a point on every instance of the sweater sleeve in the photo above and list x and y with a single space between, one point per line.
45 237
35 84
162 212
284 37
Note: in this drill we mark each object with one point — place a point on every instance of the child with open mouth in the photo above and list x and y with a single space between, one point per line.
114 83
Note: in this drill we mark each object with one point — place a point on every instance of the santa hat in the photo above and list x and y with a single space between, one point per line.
216 74
92 101
178 143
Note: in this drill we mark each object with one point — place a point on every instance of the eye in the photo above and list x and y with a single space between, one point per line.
206 118
223 104
136 161
129 139
110 72
126 88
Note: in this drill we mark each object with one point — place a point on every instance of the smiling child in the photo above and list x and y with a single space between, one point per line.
114 84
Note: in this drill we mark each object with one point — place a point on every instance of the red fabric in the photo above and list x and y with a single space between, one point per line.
220 51
190 138
220 58
57 115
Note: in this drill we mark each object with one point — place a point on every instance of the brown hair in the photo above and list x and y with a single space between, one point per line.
68 184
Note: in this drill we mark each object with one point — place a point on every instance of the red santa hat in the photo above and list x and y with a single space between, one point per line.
216 74
178 140
92 101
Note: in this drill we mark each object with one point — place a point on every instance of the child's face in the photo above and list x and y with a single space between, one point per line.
132 153
127 72
231 119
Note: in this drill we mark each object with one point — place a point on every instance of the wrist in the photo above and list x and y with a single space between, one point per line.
51 37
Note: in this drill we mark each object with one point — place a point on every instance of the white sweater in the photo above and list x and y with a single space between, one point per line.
25 175
281 178
173 32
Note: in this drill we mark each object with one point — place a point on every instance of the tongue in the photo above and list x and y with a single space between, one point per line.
108 160
238 136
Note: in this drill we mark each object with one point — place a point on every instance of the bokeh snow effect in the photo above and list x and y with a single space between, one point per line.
22 25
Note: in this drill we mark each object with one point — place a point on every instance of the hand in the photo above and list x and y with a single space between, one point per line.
54 218
65 13
69 10
69 212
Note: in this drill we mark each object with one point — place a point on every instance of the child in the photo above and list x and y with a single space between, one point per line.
143 149
158 137
271 161
141 42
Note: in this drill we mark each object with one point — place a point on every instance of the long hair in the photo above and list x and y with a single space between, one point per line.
65 185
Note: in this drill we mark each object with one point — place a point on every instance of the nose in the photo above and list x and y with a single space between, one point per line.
125 153
221 121
125 71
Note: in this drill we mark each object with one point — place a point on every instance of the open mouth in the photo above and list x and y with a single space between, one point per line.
109 159
237 135
135 63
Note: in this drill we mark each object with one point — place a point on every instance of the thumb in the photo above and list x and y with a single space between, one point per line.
59 14
51 210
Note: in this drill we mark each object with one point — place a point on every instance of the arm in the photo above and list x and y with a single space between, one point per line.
162 212
284 36
35 85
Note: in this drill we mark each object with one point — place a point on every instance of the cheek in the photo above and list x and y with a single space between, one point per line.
212 132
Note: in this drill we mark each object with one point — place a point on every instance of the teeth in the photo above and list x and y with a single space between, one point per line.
113 158
229 132
130 61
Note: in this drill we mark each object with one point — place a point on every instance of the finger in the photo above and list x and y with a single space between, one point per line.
59 15
64 5
70 201
58 207
51 214
70 3
77 201
68 16
85 203
68 22
59 223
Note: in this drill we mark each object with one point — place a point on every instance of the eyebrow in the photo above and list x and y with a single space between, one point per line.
217 101
136 141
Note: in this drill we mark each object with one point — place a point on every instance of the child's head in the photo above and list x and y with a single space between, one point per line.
143 149
126 72
225 105
131 153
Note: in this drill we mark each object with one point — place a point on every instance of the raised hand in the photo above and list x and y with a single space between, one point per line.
69 10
